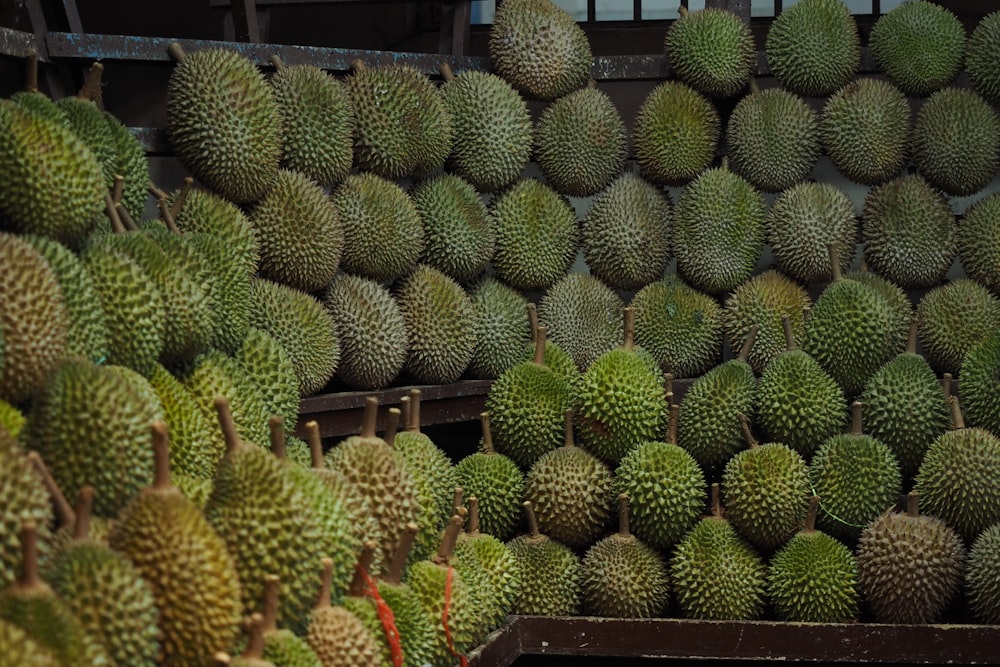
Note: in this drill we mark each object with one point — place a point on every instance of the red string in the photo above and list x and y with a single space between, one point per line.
462 660
385 615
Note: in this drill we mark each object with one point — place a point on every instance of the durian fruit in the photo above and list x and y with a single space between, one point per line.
981 57
899 302
582 316
798 403
773 138
857 477
270 369
953 318
621 401
719 226
361 599
580 142
959 477
908 231
383 232
440 325
550 570
715 574
196 445
303 326
197 210
537 47
622 577
910 565
493 128
416 628
33 317
919 45
813 47
707 425
813 578
496 481
60 191
570 490
676 133
92 428
766 491
762 302
711 50
626 235
32 605
536 235
300 231
253 654
956 141
11 418
978 241
865 127
195 489
18 649
678 325
458 230
851 330
131 165
23 498
106 593
802 222
495 559
977 384
186 564
317 122
34 100
55 539
501 327
905 407
666 488
377 473
336 636
370 330
87 120
982 576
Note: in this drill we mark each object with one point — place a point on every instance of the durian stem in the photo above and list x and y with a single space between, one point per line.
540 335
446 72
255 638
413 423
786 325
447 548
31 73
109 208
716 502
225 416
182 196
675 411
369 417
591 84
913 503
946 385
325 583
176 52
745 428
118 189
857 427
358 66
532 319
404 408
221 659
315 444
359 582
911 338
84 504
456 499
168 217
683 11
91 88
754 86
272 590
394 574
748 343
628 323
279 443
161 456
392 426
156 191
64 512
623 528
835 273
277 62
668 382
127 220
810 525
484 419
568 429
473 527
957 420
724 163
29 556
529 513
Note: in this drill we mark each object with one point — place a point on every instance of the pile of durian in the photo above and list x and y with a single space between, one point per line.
837 462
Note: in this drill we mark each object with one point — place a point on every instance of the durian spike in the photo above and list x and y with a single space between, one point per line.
394 573
675 411
221 659
227 424
91 88
84 504
161 457
748 344
540 335
358 65
369 418
810 525
473 527
277 62
128 222
786 325
109 209
623 528
484 419
64 511
404 408
668 382
359 584
529 514
29 577
176 52
715 502
911 338
155 190
447 547
325 583
413 419
835 273
31 73
279 443
446 72
456 501
946 385
913 503
118 189
392 426
683 11
628 324
568 430
533 319
315 443
168 217
857 427
182 196
272 591
957 419
255 637
747 434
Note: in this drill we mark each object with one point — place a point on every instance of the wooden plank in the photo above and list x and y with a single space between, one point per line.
245 25
18 43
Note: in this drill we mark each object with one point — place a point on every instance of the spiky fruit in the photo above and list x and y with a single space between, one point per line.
977 383
370 329
24 500
317 122
982 574
337 636
215 374
898 299
865 128
458 230
538 48
195 443
716 574
270 369
919 45
718 231
813 577
88 121
495 558
801 224
676 133
416 628
773 139
626 236
223 122
981 57
910 565
197 210
582 316
501 327
498 484
553 570
711 50
131 163
813 48
953 318
11 419
978 242
17 649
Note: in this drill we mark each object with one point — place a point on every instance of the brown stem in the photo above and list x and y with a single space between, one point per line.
532 318
529 513
182 196
668 382
156 191
957 420
911 338
835 273
568 429
540 335
315 443
484 419
748 343
109 208
716 503
913 503
360 583
64 511
84 504
623 528
628 322
168 217
91 88
255 636
724 163
413 422
754 86
176 52
786 325
857 427
277 62
446 72
29 556
358 65
221 659
127 220
675 411
279 442
392 426
227 424
473 527
456 500
325 583
683 11
404 407
31 73
448 540
946 385
272 590
745 428
118 189
810 525
161 456
394 574
369 418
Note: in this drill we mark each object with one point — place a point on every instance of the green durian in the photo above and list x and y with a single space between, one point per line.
977 384
981 576
582 316
270 369
24 499
711 50
676 133
981 57
978 241
501 327
813 47
458 229
553 570
952 318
